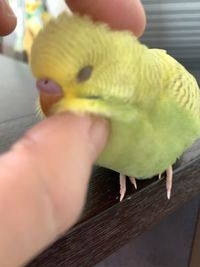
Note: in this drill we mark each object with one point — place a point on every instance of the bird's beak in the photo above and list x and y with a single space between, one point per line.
50 93
47 101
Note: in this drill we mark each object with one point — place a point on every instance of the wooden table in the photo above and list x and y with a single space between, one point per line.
106 224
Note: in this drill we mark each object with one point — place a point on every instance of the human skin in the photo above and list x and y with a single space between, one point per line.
7 18
44 176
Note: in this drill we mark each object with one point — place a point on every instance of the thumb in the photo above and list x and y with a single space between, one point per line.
62 150
44 180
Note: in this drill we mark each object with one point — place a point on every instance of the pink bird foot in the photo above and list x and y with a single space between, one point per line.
122 181
169 179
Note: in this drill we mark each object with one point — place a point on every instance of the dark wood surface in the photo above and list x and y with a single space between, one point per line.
105 224
195 255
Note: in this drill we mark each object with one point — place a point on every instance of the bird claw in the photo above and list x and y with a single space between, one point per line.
122 181
133 181
169 179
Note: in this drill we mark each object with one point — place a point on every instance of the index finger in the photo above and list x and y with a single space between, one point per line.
7 18
119 14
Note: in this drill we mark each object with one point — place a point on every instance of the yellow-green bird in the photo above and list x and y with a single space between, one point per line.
152 101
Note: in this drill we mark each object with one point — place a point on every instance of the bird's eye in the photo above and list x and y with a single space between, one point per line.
85 73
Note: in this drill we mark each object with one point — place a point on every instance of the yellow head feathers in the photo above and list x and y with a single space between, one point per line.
86 59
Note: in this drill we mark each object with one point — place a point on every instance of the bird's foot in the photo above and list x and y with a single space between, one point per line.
169 179
133 181
122 181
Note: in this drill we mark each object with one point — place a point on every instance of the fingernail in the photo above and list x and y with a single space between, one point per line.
6 10
99 133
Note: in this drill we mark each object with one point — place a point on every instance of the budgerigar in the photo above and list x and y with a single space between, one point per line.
151 101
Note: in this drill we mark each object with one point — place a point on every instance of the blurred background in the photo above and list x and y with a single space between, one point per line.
32 16
175 26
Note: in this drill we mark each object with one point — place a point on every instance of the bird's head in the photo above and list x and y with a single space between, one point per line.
82 66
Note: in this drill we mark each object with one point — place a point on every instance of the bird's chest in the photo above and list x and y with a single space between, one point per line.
150 143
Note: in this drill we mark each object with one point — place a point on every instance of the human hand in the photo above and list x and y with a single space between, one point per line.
120 15
45 175
7 18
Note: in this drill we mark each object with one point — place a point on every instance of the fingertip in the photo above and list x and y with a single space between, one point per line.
98 135
120 15
64 129
7 26
7 18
